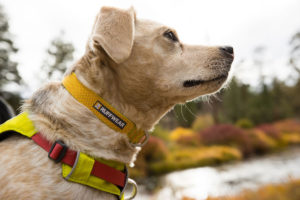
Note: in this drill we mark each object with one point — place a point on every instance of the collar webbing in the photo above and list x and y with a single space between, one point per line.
103 110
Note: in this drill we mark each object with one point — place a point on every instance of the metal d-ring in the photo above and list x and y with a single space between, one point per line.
143 142
134 189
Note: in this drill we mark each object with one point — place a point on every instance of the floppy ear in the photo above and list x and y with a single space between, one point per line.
114 32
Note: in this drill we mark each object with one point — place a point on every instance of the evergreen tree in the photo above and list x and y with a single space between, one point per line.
282 104
235 102
295 52
8 68
59 55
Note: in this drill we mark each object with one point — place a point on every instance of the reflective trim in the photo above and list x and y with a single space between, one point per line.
74 166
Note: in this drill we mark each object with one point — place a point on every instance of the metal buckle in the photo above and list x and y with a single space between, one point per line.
134 189
62 153
143 142
130 181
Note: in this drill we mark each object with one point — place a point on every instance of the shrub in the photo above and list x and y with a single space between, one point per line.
155 150
202 122
227 134
290 138
261 142
191 140
288 126
160 133
180 132
270 130
244 123
195 157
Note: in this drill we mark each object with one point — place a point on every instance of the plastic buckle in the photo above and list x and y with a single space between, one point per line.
62 152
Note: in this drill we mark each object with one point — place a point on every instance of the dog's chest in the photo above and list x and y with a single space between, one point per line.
27 173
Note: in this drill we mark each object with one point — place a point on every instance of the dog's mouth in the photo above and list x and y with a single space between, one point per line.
192 83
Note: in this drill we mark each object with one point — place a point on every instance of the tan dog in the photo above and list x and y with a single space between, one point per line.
141 68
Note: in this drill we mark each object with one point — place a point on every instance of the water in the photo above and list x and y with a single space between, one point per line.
199 183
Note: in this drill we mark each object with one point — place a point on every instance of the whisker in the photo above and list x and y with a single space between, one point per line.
191 111
182 114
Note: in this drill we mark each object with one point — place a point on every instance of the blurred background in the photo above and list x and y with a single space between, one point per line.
242 143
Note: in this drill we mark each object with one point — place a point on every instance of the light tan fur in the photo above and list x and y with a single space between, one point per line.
130 63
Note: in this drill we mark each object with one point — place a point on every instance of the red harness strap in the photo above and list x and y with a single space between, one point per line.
59 152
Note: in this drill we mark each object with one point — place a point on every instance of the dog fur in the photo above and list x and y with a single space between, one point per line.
137 69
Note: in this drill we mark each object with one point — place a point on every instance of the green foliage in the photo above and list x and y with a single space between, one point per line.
271 103
292 99
8 68
244 123
59 55
235 101
185 113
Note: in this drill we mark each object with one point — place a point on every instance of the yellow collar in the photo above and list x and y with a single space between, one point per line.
104 111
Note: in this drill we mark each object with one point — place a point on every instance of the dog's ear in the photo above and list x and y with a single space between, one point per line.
114 32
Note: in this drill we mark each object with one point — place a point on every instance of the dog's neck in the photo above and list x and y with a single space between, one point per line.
57 115
143 113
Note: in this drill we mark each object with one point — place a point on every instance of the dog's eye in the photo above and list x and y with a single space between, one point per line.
170 35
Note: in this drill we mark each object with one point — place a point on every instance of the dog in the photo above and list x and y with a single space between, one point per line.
141 68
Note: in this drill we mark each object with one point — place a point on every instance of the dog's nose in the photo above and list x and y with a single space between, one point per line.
227 49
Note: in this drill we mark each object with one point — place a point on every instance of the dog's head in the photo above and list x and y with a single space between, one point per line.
149 63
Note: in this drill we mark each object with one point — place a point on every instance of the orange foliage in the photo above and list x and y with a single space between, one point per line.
288 126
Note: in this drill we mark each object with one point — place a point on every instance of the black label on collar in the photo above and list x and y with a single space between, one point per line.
109 115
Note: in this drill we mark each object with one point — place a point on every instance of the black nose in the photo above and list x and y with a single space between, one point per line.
227 49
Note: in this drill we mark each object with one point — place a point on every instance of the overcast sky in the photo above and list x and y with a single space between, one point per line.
243 24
